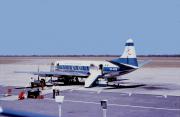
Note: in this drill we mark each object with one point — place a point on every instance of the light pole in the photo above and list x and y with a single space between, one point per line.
104 107
59 100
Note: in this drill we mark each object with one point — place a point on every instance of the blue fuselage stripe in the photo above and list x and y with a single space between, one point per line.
84 68
74 68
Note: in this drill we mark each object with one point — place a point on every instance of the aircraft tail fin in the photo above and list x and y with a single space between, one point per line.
129 54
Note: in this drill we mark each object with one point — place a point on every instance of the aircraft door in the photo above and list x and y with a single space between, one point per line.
101 68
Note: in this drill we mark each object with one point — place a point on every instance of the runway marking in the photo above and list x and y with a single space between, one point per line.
99 91
10 98
165 96
161 96
124 94
132 106
91 92
130 94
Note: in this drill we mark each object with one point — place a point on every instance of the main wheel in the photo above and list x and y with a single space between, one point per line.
66 81
43 82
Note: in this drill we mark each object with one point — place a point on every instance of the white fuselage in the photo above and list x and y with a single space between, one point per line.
77 65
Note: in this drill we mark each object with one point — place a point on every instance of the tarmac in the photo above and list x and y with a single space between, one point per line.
153 90
87 104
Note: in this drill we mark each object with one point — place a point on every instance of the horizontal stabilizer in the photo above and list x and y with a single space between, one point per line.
144 63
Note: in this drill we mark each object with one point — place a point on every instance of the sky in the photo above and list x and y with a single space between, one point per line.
68 27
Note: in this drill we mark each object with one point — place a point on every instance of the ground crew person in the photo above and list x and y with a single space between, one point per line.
54 91
21 95
32 82
42 84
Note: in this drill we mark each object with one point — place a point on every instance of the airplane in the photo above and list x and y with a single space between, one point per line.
108 70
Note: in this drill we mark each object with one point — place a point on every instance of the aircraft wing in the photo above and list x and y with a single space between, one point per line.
56 73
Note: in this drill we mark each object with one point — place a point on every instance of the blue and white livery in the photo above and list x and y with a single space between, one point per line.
92 70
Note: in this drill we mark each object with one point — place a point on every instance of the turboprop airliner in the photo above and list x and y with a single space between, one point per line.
93 70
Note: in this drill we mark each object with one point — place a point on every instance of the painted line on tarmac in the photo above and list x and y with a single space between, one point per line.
161 96
9 98
124 94
132 106
99 91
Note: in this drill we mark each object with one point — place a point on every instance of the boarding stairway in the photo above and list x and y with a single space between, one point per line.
94 74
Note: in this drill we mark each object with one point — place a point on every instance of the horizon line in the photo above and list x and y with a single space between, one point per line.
91 55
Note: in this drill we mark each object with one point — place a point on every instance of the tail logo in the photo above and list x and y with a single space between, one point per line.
129 52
